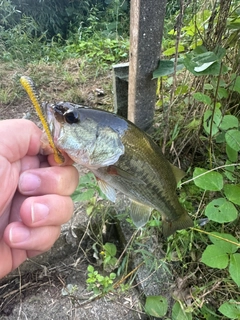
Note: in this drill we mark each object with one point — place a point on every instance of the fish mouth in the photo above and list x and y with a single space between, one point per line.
54 125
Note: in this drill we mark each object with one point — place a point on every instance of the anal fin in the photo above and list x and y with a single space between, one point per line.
139 213
178 173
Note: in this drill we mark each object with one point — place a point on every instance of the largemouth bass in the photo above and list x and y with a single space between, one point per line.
123 158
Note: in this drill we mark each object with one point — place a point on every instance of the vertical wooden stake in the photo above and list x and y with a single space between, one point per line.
146 28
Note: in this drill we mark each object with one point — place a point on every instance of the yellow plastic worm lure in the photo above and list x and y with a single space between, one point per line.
28 85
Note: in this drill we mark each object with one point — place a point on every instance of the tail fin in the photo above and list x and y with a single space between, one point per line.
183 222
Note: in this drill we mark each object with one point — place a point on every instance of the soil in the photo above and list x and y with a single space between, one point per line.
53 286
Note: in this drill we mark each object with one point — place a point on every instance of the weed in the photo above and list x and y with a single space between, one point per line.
97 283
203 85
6 95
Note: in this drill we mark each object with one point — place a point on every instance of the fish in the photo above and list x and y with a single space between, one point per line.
123 158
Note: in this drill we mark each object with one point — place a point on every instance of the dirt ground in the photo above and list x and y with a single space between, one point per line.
53 285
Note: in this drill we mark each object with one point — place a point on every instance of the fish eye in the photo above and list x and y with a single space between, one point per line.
71 117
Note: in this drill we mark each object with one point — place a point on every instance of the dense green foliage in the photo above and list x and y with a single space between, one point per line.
202 113
61 17
56 30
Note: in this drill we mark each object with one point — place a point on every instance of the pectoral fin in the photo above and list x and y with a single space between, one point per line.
109 191
139 213
116 171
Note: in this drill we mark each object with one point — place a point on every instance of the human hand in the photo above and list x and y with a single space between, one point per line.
34 196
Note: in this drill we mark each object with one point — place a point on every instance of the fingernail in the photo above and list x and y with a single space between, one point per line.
18 234
29 182
39 211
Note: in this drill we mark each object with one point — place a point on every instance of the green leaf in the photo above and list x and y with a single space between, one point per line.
209 312
203 66
236 86
229 171
112 275
112 261
194 60
205 57
83 195
214 257
227 247
220 52
230 309
156 306
181 89
233 139
212 121
222 93
232 192
90 268
212 181
200 49
221 211
110 248
165 68
208 86
234 268
178 313
220 137
107 259
89 209
87 178
231 153
171 51
234 24
202 98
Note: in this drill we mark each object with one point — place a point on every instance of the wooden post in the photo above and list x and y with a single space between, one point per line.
146 28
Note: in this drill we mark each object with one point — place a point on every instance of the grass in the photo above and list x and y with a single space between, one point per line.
56 82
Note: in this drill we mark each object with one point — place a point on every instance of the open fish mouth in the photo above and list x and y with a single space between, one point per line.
54 125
